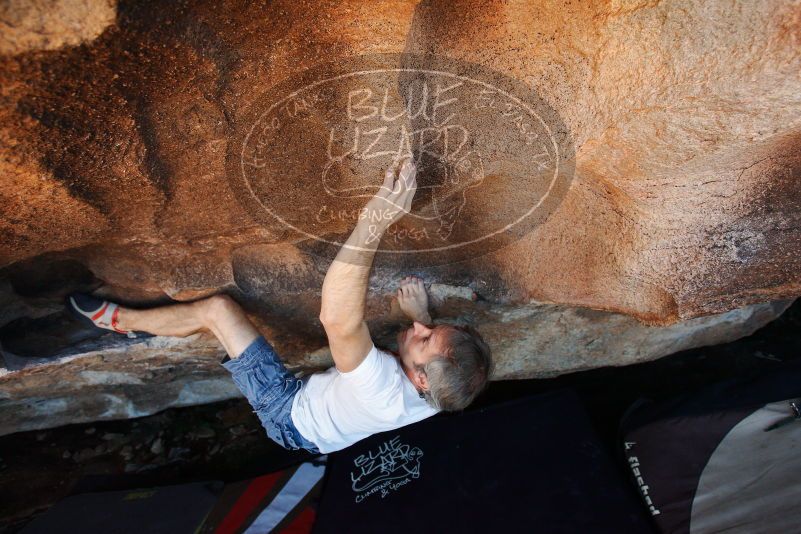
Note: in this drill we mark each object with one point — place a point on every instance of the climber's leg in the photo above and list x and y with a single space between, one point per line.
220 314
255 367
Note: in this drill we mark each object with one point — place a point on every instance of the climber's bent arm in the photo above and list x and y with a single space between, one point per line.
345 285
344 294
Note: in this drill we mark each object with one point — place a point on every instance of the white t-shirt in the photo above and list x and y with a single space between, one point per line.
334 409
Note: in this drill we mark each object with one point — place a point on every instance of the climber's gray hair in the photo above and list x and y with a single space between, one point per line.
456 377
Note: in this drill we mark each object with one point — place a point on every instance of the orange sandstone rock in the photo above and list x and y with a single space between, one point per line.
685 124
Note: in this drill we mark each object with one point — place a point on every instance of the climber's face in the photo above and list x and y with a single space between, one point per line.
418 345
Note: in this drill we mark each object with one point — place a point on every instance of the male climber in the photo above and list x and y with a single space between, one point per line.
437 367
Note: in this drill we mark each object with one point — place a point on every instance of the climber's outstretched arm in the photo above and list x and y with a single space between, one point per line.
345 285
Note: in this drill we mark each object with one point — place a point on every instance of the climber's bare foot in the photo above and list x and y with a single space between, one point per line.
413 299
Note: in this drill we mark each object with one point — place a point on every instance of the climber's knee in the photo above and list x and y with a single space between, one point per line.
219 307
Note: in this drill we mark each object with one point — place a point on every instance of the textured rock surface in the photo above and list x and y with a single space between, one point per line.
51 24
535 340
117 129
685 119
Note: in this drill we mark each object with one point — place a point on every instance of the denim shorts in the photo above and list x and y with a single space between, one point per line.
269 388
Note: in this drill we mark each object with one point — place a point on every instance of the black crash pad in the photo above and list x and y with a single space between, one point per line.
531 465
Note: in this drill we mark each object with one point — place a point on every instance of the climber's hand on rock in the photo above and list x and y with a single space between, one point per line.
413 299
394 199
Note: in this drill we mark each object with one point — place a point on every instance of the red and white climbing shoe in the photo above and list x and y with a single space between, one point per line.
97 313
